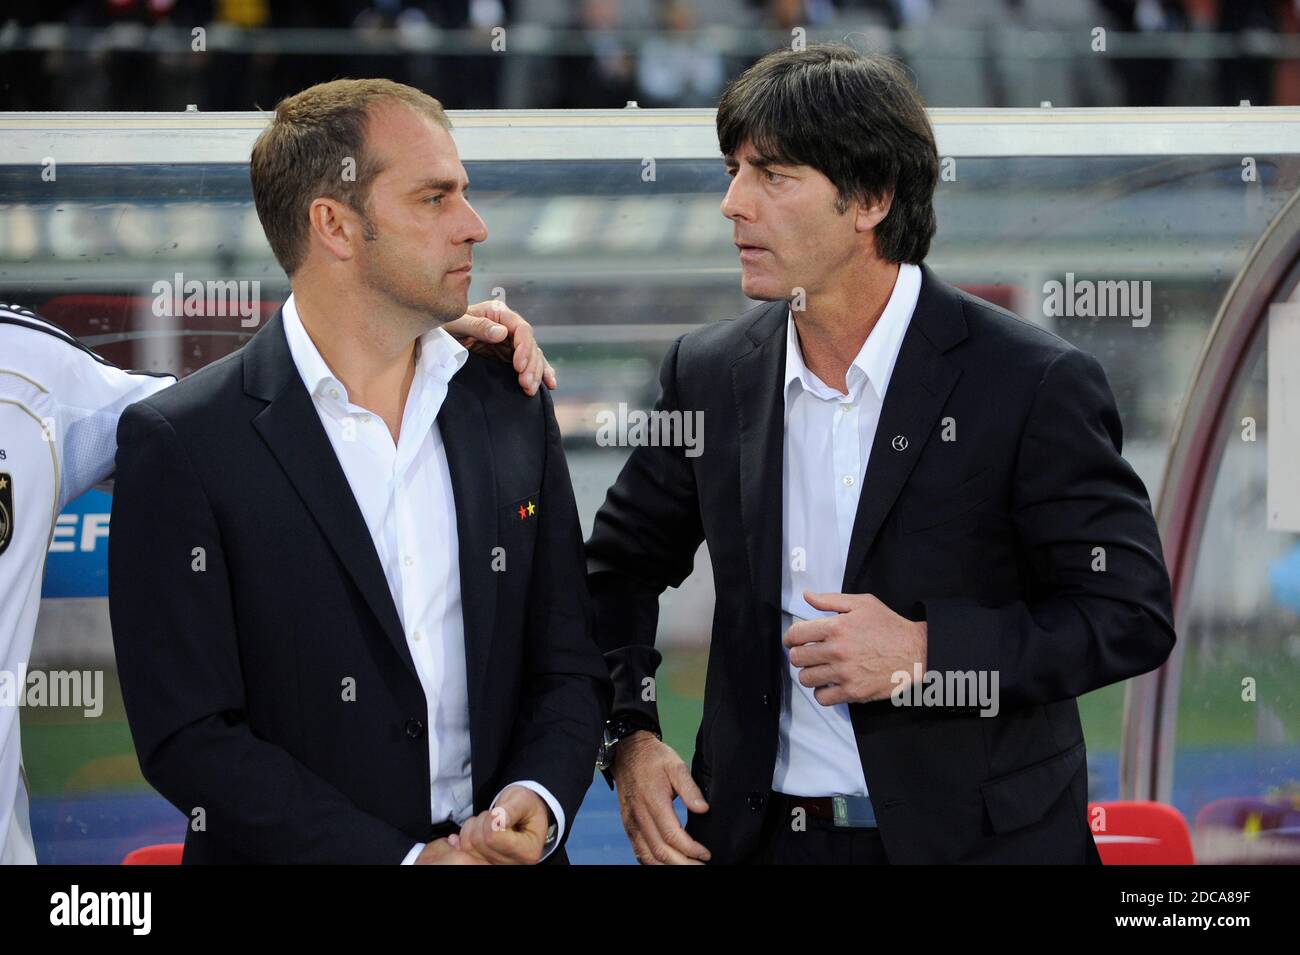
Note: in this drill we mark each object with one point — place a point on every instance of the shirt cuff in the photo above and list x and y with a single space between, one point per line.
413 854
554 806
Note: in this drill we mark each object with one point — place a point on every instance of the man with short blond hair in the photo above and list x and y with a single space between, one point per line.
347 580
316 146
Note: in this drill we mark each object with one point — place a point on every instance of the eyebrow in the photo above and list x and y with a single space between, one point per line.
758 162
440 185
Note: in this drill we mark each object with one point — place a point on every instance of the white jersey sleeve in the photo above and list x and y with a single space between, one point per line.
59 405
86 394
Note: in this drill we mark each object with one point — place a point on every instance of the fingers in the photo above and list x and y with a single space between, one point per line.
500 314
526 354
663 817
492 836
660 849
447 851
460 857
685 787
491 308
521 809
522 355
475 837
839 603
529 362
641 849
433 851
648 845
832 695
514 846
477 327
817 676
649 774
808 631
813 654
491 328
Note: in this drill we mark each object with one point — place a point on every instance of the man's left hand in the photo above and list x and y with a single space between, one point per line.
513 832
490 328
852 657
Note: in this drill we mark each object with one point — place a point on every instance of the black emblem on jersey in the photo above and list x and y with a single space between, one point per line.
6 510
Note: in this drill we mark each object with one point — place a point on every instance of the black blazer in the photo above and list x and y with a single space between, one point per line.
989 537
235 675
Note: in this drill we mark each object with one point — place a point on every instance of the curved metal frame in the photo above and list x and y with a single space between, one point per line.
1151 701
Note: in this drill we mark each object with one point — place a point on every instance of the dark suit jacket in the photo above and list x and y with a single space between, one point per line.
234 675
988 537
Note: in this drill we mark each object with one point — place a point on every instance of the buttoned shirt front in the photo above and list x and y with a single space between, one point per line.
827 446
404 492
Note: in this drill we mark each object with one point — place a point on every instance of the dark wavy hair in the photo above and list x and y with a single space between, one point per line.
856 118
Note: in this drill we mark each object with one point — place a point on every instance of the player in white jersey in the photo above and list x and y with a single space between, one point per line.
59 405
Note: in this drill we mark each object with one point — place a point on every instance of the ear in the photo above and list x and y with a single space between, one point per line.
334 226
871 212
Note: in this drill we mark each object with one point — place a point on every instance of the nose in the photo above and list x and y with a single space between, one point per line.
475 227
733 206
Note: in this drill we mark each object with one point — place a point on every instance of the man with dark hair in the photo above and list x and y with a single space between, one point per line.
904 493
346 566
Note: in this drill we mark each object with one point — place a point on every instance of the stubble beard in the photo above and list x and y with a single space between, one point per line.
393 281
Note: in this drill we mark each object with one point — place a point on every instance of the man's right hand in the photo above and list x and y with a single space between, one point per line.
649 773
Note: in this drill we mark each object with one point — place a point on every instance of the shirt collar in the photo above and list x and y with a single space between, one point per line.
438 358
876 358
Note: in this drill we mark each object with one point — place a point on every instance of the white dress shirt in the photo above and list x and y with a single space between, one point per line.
404 493
828 438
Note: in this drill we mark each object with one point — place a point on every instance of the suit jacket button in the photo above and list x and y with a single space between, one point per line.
414 729
767 701
756 801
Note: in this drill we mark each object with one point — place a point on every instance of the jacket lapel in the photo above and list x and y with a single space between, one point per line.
760 408
467 439
291 428
918 387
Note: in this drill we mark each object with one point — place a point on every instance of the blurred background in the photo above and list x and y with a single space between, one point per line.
612 265
566 54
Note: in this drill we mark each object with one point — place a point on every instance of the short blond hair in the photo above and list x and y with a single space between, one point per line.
304 152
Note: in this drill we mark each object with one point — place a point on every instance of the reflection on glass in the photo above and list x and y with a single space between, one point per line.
612 267
1237 762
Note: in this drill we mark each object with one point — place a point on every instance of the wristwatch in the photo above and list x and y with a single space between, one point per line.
616 730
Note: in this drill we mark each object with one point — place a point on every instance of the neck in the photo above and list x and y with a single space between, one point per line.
837 320
372 354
